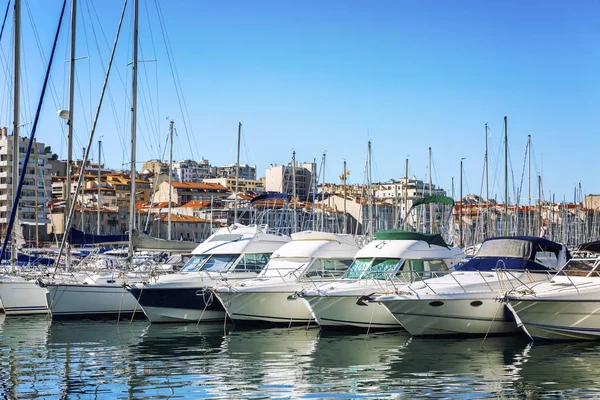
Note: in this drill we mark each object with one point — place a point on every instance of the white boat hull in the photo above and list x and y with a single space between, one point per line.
169 314
445 315
343 312
559 319
90 301
265 306
23 297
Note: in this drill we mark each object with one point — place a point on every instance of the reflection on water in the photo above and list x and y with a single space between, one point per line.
40 359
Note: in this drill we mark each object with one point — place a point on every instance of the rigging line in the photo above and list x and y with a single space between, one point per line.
176 80
13 211
113 107
522 175
154 56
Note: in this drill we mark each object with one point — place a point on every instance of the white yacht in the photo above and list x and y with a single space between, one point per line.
309 259
235 252
95 296
469 300
568 306
394 259
20 295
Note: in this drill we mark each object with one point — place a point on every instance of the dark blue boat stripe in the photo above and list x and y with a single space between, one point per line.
497 319
357 323
564 328
262 317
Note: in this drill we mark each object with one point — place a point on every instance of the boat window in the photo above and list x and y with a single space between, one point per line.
422 269
547 258
322 268
195 263
282 267
219 262
505 248
357 268
579 266
253 262
382 268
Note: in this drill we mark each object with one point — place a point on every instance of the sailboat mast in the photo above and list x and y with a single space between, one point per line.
370 190
294 190
35 184
487 180
169 235
345 175
505 176
529 184
430 193
98 194
133 125
405 195
323 198
16 102
237 174
460 222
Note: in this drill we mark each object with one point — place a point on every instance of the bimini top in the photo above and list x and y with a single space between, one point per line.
408 245
592 247
397 234
517 253
238 239
318 245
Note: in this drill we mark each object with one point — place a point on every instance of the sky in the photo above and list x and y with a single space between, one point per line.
319 77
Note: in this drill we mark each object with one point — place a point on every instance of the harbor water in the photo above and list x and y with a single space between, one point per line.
105 359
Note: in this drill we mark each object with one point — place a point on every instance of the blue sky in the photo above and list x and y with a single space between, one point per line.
317 76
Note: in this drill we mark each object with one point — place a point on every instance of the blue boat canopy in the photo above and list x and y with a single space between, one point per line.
272 196
77 237
517 253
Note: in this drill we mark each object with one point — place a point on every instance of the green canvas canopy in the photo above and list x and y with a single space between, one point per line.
433 199
398 234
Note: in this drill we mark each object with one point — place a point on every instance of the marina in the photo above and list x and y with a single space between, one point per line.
42 359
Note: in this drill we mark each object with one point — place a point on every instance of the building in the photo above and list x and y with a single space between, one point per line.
244 185
229 171
283 178
400 189
184 192
35 195
192 171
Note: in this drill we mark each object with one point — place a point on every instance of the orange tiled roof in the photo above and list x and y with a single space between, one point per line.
197 204
198 185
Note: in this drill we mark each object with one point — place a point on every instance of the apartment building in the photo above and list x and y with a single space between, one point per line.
283 178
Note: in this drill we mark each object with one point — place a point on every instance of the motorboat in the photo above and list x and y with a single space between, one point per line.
469 301
231 253
567 307
307 261
394 259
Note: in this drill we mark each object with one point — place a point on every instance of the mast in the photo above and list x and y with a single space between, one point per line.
487 181
529 184
430 193
237 174
406 195
169 236
370 190
98 195
505 176
460 223
16 103
35 184
294 190
323 197
133 125
540 222
68 199
344 183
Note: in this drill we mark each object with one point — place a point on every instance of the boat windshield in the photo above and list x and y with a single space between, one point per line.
219 262
285 267
369 268
580 266
505 248
324 268
195 263
253 262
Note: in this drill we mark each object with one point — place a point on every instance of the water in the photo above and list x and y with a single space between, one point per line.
43 359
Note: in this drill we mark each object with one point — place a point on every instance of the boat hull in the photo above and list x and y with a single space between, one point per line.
342 312
178 304
559 319
270 307
90 301
453 316
23 298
